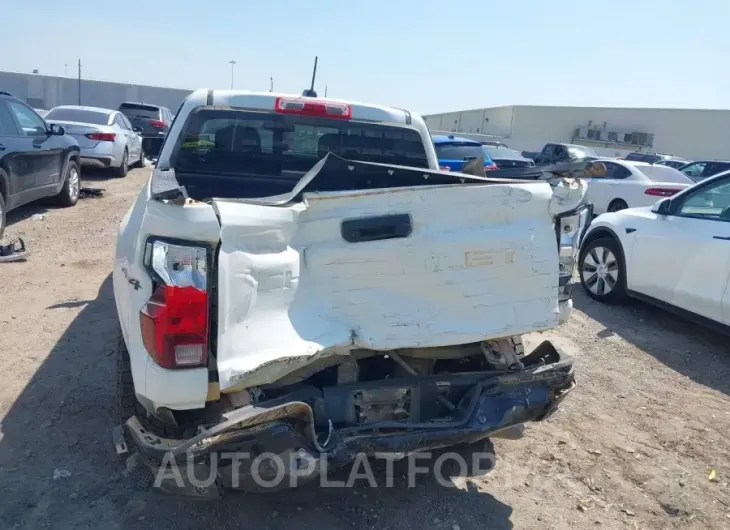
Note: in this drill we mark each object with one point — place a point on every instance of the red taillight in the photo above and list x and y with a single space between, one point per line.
661 192
491 167
313 107
102 137
174 321
159 124
174 326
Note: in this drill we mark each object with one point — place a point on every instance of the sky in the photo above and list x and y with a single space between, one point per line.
428 56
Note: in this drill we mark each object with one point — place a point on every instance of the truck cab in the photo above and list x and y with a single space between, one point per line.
564 153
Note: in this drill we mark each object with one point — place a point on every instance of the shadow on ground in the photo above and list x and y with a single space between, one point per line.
29 210
59 470
94 174
91 177
701 354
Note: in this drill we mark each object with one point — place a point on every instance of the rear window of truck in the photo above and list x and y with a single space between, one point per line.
244 142
242 153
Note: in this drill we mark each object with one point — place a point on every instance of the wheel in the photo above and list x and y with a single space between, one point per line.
69 194
602 270
127 403
122 170
617 205
140 162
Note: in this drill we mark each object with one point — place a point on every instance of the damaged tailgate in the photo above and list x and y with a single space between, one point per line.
320 272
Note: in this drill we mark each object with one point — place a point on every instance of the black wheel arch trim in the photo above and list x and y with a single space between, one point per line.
74 155
5 185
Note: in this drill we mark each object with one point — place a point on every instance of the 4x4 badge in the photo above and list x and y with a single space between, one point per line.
132 281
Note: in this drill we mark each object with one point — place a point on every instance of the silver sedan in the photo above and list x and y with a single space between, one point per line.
105 136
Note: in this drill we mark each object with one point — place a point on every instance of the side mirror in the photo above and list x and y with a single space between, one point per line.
662 207
56 130
138 130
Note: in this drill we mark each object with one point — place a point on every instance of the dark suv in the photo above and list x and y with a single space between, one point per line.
36 159
154 121
702 169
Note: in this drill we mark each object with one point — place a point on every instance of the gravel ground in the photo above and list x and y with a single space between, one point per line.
632 447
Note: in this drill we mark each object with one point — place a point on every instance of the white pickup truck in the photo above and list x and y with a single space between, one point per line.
298 277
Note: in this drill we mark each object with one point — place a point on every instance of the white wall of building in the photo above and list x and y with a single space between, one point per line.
686 133
43 91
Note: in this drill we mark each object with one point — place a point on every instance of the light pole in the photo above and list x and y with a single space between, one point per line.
233 63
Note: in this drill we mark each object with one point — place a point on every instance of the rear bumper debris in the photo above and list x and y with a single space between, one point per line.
497 405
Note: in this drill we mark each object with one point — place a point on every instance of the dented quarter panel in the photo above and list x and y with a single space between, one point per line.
568 195
480 263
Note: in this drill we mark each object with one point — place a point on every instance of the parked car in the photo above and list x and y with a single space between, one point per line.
649 158
37 160
564 153
454 151
631 184
302 302
675 163
105 136
153 120
505 158
41 112
702 169
673 254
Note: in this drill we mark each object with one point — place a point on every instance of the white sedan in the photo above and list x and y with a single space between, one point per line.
106 137
631 184
675 254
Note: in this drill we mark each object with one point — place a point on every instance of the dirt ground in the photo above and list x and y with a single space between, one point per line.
632 447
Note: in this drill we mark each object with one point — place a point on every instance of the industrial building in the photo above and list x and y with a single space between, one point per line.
46 92
686 133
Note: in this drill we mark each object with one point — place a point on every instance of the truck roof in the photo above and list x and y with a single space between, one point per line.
266 100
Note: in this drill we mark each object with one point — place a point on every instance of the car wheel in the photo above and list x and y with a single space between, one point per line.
69 195
617 205
123 168
140 162
602 270
2 216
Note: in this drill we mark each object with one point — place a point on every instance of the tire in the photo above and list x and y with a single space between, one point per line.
617 205
69 194
603 271
123 168
3 211
127 403
140 163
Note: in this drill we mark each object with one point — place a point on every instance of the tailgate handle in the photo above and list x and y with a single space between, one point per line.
376 228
